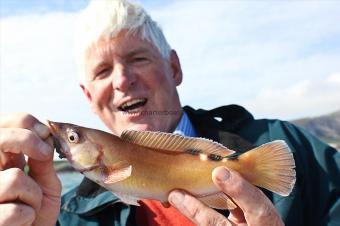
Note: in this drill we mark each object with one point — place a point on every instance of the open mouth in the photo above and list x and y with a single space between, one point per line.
58 148
54 129
133 104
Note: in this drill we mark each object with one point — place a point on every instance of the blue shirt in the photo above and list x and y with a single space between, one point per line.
185 127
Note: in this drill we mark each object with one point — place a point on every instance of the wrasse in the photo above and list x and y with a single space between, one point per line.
148 165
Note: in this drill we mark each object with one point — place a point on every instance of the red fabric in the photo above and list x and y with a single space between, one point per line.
152 213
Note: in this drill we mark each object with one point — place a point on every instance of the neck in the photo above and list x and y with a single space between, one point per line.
175 121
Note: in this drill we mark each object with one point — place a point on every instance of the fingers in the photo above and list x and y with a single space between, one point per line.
10 160
24 121
44 174
17 140
37 196
22 133
14 214
195 210
256 207
16 186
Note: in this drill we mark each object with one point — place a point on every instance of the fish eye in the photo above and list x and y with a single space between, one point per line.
72 136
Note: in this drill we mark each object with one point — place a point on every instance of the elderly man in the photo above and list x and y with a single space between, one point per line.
128 69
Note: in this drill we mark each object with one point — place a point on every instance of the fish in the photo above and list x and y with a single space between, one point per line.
140 165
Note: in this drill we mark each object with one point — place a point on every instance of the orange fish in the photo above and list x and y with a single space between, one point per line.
148 165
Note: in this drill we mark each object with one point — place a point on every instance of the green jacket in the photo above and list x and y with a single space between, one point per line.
313 201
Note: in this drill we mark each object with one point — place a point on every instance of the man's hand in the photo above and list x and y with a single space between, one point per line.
33 198
254 207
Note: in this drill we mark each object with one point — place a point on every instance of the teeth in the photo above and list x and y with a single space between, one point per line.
133 102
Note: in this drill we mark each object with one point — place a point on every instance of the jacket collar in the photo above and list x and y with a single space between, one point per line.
222 124
87 199
226 118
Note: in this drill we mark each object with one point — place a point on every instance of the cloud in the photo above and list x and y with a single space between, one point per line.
38 72
238 51
317 95
334 79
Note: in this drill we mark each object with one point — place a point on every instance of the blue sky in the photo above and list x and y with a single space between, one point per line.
19 7
279 59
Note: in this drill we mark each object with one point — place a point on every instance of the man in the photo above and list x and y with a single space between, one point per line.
128 69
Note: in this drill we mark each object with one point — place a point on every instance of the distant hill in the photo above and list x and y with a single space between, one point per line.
326 127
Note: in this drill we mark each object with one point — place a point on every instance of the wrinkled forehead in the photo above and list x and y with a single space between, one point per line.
121 45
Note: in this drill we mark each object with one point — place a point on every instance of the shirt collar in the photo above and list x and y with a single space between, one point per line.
185 127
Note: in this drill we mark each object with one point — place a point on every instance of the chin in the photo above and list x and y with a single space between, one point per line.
142 127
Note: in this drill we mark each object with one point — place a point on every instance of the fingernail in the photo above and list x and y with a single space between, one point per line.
50 142
176 198
45 149
41 130
222 174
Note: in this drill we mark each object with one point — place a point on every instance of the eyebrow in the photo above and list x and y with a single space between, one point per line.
137 51
98 65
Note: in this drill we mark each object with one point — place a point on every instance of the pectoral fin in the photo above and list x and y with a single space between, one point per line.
115 173
218 201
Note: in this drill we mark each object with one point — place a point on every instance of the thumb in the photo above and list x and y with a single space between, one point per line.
44 174
254 206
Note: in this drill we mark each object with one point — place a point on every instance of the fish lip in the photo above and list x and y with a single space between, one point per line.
54 128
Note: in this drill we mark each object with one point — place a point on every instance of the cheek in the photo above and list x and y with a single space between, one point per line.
101 92
85 155
158 80
164 87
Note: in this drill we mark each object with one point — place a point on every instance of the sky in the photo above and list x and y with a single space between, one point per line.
278 59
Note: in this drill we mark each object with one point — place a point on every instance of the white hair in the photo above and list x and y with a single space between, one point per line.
107 18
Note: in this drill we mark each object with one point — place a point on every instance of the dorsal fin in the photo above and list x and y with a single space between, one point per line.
174 142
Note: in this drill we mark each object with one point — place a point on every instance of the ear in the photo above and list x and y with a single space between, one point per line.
88 96
176 67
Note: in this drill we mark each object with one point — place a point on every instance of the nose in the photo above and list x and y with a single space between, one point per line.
123 79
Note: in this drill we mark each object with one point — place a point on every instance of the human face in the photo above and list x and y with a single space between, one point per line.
127 70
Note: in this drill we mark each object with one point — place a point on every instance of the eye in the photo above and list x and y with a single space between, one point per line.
140 60
72 136
103 72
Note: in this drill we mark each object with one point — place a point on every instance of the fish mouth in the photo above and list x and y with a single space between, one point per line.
133 104
54 128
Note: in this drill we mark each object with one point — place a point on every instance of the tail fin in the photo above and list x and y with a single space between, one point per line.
271 167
